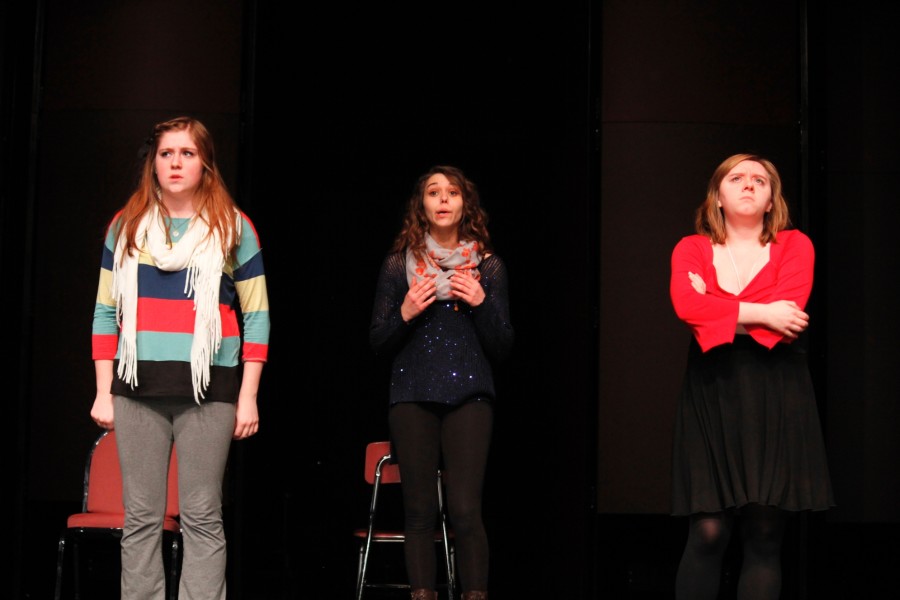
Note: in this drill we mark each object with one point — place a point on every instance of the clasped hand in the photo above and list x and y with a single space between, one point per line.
423 292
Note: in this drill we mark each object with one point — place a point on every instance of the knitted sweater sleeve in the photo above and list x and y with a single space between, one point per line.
492 317
387 330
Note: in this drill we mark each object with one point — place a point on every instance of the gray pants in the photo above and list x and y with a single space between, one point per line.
145 431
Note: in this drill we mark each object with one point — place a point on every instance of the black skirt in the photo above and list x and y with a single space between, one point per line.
747 430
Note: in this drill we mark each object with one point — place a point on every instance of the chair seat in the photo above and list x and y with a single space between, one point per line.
95 520
382 535
103 514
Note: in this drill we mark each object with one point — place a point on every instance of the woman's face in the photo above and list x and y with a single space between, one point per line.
745 192
443 203
178 165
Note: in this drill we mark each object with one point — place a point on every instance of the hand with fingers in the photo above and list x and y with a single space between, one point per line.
246 418
467 288
102 411
697 283
421 294
786 316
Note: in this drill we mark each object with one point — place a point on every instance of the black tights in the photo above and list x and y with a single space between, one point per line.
425 437
762 531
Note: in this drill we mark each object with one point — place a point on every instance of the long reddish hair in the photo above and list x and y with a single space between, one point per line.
472 227
216 206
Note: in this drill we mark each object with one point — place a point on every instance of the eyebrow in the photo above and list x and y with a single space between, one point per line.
744 174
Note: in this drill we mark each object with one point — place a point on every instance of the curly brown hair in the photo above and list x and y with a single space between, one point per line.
472 227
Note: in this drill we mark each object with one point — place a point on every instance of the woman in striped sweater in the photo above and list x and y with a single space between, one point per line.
180 336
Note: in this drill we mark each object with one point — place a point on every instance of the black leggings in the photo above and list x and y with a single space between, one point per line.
457 439
762 531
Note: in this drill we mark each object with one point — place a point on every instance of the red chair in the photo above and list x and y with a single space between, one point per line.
103 513
380 471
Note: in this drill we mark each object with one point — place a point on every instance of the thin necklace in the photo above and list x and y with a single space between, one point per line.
734 264
176 229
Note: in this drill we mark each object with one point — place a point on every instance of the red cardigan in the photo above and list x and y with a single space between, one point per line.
713 316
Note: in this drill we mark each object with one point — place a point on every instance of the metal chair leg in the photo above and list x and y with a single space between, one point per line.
449 555
364 556
60 561
173 568
76 569
363 564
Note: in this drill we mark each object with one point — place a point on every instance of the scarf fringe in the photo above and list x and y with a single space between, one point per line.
201 257
126 304
203 282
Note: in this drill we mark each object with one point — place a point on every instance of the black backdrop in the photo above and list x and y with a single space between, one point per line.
588 126
382 94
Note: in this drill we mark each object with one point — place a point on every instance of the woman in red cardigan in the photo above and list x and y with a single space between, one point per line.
747 438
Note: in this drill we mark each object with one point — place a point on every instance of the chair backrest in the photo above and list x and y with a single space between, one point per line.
103 479
380 470
379 453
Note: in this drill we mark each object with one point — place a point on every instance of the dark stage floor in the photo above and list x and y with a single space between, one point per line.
636 559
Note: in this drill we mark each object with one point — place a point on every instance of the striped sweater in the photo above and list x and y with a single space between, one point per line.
165 321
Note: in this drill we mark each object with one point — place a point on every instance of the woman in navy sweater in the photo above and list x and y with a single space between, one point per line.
441 314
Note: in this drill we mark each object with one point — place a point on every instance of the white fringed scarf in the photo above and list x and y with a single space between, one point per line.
201 257
442 263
